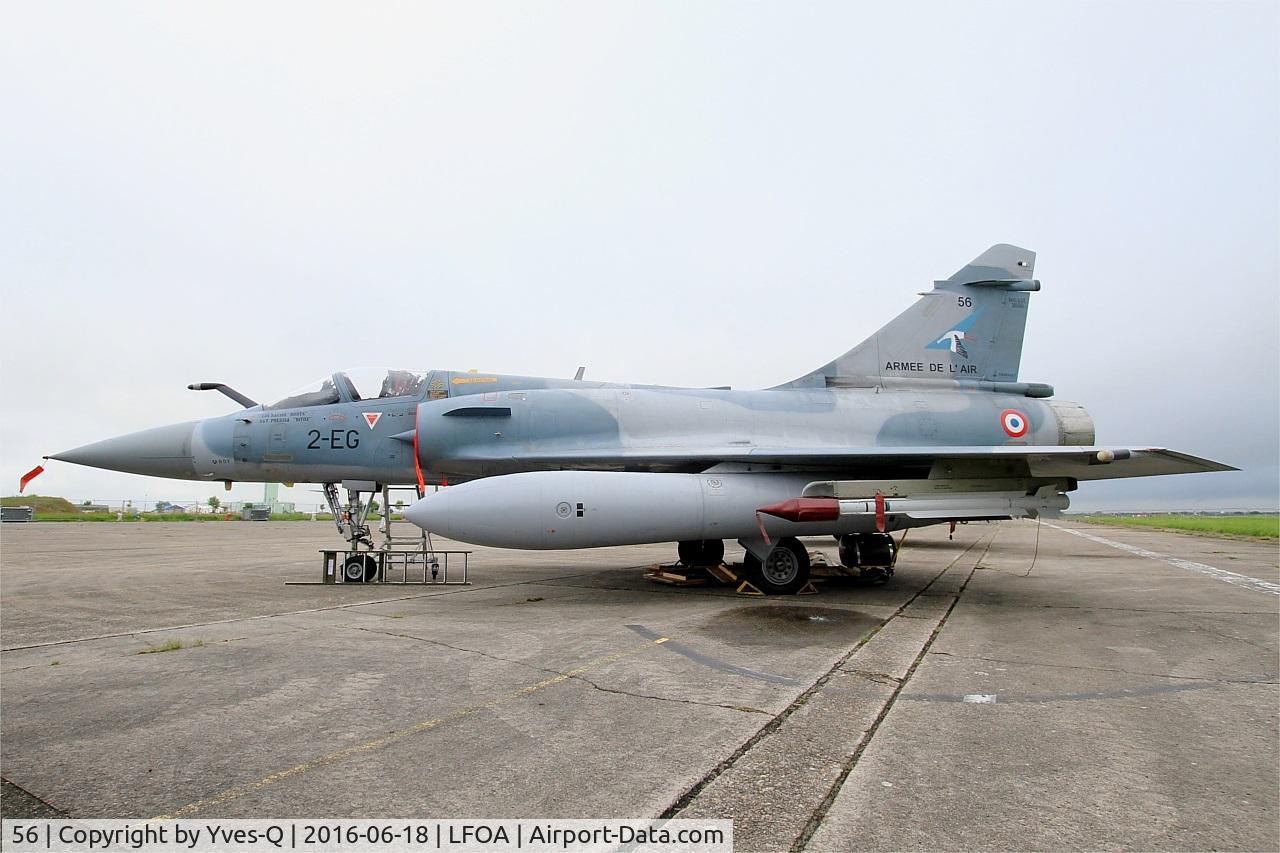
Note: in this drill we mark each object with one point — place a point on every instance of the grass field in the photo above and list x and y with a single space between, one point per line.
49 508
1261 526
42 504
131 515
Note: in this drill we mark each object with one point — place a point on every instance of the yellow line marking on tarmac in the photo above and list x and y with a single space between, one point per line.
379 742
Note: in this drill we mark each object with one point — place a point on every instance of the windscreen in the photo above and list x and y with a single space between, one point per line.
359 384
322 392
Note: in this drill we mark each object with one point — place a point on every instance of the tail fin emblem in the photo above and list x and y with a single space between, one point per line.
953 339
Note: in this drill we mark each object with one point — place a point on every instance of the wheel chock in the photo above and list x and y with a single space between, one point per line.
680 577
723 573
748 588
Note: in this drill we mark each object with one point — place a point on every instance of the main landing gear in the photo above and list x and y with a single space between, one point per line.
701 552
872 554
784 569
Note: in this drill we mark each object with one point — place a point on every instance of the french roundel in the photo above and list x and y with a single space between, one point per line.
1014 423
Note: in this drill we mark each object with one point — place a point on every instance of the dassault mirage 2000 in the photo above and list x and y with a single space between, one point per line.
925 422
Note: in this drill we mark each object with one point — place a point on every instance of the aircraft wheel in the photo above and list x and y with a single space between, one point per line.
850 551
785 570
701 552
858 550
879 550
359 568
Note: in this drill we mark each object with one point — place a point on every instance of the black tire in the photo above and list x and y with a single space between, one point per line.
879 550
701 552
862 550
359 568
785 570
353 570
851 550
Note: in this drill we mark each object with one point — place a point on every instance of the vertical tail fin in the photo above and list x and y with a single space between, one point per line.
969 327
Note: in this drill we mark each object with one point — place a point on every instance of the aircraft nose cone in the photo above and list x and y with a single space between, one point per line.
161 452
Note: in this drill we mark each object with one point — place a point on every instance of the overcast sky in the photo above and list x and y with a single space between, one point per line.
686 193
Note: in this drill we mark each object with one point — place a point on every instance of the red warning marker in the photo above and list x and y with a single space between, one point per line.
29 476
417 464
804 509
372 418
1014 423
764 534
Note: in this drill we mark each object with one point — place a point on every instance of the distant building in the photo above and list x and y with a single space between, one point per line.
270 500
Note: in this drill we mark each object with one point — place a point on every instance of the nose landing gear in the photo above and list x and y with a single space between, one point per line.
360 568
400 559
351 520
352 524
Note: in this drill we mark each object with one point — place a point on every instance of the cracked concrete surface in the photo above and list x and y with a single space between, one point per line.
1117 701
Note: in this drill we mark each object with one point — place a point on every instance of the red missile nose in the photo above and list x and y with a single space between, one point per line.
804 509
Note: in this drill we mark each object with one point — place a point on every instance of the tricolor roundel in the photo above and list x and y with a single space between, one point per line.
1014 423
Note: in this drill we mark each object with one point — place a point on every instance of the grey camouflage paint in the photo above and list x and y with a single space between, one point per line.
934 386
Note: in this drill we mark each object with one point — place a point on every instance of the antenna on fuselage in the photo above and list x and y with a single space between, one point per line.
577 377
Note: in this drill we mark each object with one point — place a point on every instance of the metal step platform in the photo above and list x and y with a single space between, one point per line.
395 567
402 557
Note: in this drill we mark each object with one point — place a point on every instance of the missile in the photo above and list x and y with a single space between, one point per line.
590 509
998 505
975 505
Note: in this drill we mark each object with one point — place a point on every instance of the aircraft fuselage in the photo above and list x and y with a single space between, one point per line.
516 428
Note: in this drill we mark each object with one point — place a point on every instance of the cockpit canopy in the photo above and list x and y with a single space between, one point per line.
362 383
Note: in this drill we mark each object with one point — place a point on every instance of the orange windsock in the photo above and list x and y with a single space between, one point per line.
29 476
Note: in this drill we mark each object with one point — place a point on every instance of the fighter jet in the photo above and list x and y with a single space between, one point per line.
925 422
